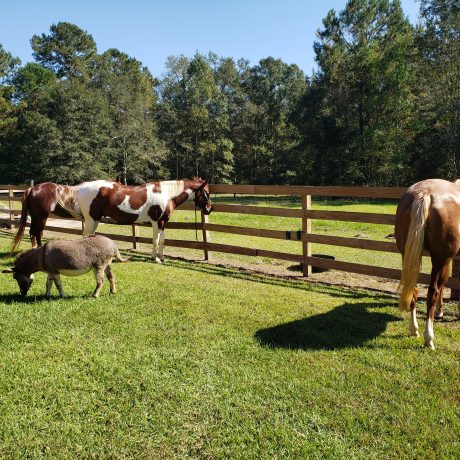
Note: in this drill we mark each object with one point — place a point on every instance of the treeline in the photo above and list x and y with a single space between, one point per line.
382 108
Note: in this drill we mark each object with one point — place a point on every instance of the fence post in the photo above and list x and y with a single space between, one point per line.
10 204
454 293
306 229
135 233
206 234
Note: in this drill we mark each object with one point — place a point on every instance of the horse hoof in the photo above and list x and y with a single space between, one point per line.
430 345
438 316
415 334
157 260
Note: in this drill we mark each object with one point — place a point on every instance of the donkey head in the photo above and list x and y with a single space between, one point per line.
24 280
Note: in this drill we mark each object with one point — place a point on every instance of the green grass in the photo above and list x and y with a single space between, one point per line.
190 360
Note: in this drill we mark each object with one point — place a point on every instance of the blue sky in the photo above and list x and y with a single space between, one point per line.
152 30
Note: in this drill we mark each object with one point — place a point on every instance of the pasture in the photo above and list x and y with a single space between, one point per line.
192 360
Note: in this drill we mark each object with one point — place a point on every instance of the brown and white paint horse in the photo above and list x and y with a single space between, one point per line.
427 218
152 202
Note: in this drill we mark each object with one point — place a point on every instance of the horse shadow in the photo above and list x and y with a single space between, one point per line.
348 326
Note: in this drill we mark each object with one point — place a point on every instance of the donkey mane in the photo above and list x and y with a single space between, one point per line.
21 257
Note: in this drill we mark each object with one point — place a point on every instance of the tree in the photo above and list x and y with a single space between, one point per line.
68 50
274 88
436 150
128 88
364 84
194 119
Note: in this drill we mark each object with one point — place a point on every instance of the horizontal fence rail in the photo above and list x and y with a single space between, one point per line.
13 193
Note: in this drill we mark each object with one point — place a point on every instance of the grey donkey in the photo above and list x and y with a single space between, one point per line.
69 258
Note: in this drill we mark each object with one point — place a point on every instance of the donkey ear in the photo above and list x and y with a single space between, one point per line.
8 270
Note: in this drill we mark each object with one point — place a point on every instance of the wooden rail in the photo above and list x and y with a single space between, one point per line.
305 237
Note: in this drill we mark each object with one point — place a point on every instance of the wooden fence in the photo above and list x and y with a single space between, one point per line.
305 236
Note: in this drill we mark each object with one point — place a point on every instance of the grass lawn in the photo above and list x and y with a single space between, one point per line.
190 360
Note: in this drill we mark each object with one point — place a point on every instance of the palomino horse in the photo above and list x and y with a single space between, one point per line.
427 218
152 203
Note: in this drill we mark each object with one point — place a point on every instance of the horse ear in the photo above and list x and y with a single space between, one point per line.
8 270
204 184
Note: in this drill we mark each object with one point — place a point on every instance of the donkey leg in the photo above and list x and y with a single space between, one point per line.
111 278
49 284
57 282
156 238
99 274
413 325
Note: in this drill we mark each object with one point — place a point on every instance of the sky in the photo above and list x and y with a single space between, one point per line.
150 31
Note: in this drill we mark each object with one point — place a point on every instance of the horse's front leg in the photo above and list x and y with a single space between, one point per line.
161 246
90 225
155 240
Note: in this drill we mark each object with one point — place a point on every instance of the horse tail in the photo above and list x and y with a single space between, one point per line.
22 223
413 250
118 256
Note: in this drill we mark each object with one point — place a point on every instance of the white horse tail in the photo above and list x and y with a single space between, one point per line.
413 250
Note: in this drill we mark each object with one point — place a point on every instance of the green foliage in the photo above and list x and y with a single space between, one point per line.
194 121
67 50
436 146
363 100
127 88
382 107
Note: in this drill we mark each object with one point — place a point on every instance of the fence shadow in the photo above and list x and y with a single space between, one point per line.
350 325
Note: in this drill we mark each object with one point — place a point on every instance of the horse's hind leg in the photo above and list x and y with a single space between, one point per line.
36 231
439 313
413 325
439 277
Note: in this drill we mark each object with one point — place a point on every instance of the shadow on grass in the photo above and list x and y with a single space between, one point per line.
257 277
350 325
18 298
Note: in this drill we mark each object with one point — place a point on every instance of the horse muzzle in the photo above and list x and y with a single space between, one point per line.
207 210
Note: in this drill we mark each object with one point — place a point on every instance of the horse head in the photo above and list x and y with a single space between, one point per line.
202 197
